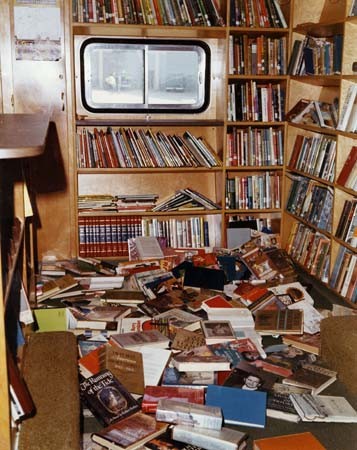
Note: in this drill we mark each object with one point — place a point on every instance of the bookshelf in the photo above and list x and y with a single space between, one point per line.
263 127
317 245
22 136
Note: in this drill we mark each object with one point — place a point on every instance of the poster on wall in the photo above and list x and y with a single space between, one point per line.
37 30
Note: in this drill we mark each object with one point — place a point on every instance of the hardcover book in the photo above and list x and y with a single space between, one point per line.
130 433
107 398
239 406
225 438
199 358
308 342
297 441
172 377
281 321
248 377
187 413
216 331
313 377
152 395
152 338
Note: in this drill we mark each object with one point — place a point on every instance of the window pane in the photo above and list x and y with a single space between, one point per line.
174 77
114 75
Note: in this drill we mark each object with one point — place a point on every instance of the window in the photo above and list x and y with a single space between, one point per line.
144 75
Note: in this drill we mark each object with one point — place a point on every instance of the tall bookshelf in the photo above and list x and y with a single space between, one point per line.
266 129
22 137
322 19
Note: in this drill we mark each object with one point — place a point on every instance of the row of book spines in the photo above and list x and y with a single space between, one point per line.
149 12
322 60
314 155
260 55
253 191
254 147
179 233
310 249
104 236
312 202
256 13
256 102
344 274
131 148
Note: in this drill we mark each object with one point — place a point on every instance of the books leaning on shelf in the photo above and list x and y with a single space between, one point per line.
347 225
323 408
186 199
226 438
348 114
289 442
348 174
129 148
344 274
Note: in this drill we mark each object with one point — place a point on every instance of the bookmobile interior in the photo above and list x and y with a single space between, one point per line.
67 72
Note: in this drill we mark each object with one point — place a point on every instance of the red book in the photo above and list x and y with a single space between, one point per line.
152 395
296 151
347 167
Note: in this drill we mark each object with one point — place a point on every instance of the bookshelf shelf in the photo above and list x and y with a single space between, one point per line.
139 170
322 20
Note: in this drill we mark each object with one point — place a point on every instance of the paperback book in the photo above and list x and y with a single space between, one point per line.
313 377
200 358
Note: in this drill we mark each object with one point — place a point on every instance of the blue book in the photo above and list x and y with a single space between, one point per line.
239 406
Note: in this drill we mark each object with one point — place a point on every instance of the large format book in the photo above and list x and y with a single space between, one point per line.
152 395
297 441
281 321
225 438
187 413
129 433
239 406
323 408
132 340
107 398
312 377
199 358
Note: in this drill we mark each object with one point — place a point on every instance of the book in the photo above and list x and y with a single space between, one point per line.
57 286
107 398
187 413
130 432
323 408
280 406
296 441
281 321
165 441
152 395
308 342
239 406
152 338
312 377
248 377
172 377
199 358
242 349
124 297
216 331
148 247
187 340
347 168
225 438
125 364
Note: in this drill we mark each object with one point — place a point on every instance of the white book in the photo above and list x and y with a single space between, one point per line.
347 107
224 439
323 408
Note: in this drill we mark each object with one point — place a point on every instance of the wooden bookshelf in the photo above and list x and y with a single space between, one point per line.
322 19
22 136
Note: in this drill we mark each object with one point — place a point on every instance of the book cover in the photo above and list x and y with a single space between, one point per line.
152 395
308 342
313 377
107 398
238 350
199 358
239 406
248 377
281 321
216 331
280 406
187 340
130 432
225 438
133 339
323 408
187 413
289 442
172 377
